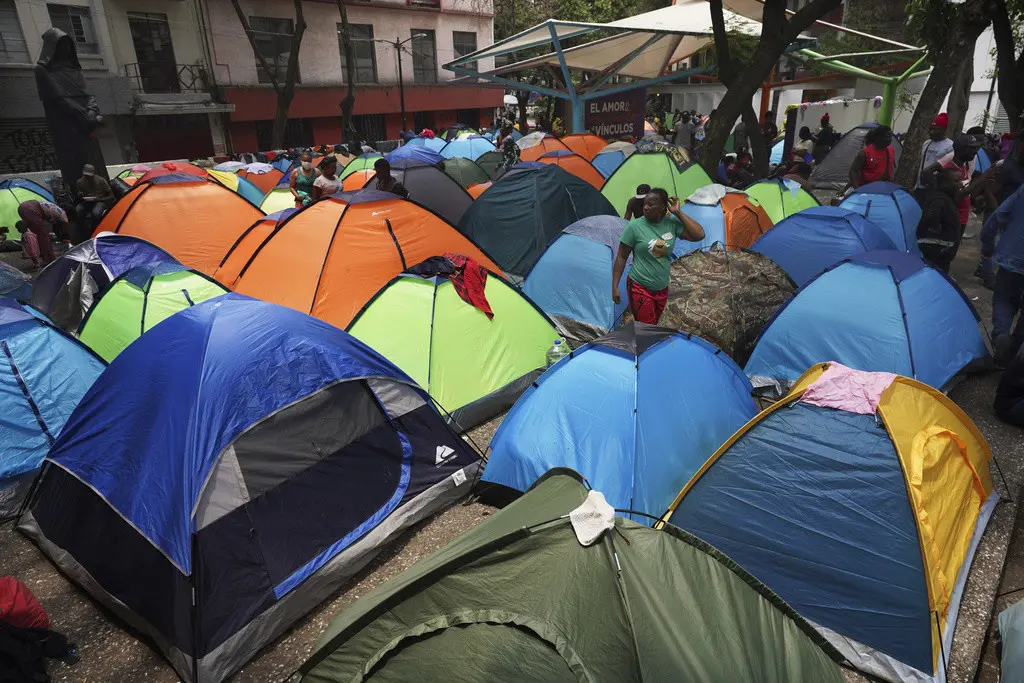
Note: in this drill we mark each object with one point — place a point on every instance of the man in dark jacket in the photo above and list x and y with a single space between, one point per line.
1009 403
938 233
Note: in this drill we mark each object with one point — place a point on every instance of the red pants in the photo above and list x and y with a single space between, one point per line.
645 305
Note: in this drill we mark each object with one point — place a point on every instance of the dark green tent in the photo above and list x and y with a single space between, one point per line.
464 171
518 598
490 162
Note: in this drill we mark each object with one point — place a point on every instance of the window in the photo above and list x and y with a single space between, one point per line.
464 43
274 39
423 119
12 43
297 133
365 52
468 117
424 56
77 23
369 127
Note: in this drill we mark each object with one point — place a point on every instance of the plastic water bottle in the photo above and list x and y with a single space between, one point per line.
556 353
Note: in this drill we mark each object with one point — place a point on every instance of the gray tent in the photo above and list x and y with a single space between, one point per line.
431 187
833 173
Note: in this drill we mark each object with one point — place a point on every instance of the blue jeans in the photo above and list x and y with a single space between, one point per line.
1007 300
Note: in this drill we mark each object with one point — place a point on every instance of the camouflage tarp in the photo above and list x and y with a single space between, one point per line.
726 297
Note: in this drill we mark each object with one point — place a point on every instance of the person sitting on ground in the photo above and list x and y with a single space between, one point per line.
302 180
804 147
799 172
875 161
36 219
327 182
1003 239
635 205
1009 401
938 232
94 194
740 171
387 182
650 239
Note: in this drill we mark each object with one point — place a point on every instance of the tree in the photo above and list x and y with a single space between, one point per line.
742 80
949 31
285 89
348 103
1008 30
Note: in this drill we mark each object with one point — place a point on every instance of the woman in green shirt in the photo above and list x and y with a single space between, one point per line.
302 180
650 239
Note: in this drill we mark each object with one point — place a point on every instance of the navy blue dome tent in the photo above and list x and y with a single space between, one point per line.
231 469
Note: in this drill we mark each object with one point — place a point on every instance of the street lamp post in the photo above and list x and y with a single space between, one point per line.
398 44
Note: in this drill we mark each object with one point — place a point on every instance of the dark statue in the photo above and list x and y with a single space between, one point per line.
71 112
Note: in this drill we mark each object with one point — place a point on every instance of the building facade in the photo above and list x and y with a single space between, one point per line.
180 79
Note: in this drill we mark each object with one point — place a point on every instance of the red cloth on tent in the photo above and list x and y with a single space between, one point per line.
18 607
469 280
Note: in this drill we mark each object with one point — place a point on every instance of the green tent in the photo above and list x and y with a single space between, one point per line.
474 367
518 598
277 199
362 162
138 300
781 198
13 192
656 169
464 171
490 162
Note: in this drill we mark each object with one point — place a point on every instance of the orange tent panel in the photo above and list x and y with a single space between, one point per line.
587 145
745 220
537 151
330 258
578 166
478 189
265 181
196 222
357 180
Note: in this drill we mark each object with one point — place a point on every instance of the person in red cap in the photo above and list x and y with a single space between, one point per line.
935 147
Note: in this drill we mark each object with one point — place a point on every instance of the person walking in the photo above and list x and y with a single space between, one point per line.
683 132
302 180
875 161
1002 238
509 149
938 232
934 148
327 182
649 239
36 218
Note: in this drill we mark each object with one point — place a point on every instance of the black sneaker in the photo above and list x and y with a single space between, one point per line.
1001 347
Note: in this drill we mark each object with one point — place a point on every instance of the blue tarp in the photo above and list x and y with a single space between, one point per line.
469 148
43 375
981 161
775 157
418 152
884 311
147 434
811 240
813 502
518 216
891 208
572 281
637 427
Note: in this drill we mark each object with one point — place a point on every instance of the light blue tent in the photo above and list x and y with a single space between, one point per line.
467 147
433 144
636 412
891 208
810 241
572 281
880 311
775 157
612 156
43 374
410 151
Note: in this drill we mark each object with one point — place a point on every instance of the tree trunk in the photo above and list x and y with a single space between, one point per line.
348 103
291 75
758 145
960 94
1009 67
523 97
971 23
735 104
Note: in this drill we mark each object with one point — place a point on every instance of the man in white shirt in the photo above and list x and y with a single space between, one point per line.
935 147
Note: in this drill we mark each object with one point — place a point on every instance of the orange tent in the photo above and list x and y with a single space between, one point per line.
196 220
587 145
575 164
173 167
265 181
478 189
734 219
331 257
549 144
357 180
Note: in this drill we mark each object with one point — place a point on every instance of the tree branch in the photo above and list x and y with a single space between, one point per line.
725 72
292 72
806 16
1008 67
251 35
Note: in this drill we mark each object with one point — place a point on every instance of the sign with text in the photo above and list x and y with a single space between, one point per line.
617 116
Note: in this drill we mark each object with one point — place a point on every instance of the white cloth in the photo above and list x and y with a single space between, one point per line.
258 168
327 185
592 518
709 195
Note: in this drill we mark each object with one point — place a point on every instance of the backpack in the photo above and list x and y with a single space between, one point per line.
24 651
18 607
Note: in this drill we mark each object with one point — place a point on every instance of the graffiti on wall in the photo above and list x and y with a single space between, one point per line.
26 146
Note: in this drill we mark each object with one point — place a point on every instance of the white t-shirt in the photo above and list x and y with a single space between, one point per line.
931 152
327 186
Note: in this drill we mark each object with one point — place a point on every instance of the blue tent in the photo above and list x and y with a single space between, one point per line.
891 208
572 280
518 217
25 184
417 152
282 164
14 284
881 311
981 161
234 467
45 373
469 147
612 156
810 241
636 412
66 288
432 144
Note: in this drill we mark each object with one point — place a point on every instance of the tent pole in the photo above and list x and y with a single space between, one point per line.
578 115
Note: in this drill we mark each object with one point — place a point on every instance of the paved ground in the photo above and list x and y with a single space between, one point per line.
110 653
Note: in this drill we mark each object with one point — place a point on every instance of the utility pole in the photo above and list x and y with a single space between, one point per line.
398 45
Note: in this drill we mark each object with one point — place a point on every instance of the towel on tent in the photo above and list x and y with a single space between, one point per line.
467 276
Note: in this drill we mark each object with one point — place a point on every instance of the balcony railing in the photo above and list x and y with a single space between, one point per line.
159 77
